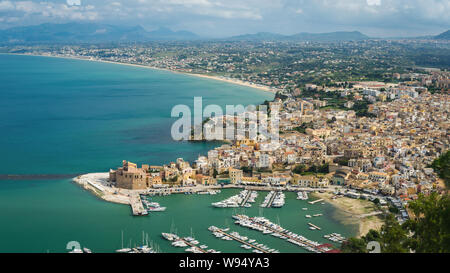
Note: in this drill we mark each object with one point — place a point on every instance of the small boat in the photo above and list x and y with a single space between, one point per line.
123 250
87 250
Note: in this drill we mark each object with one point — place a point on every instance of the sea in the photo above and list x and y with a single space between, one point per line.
64 117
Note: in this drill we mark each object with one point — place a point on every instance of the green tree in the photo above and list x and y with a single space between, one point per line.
442 167
431 228
354 245
393 237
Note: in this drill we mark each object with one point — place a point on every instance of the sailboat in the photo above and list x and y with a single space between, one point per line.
123 250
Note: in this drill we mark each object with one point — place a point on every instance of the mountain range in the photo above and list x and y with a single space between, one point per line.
89 33
304 36
98 33
443 36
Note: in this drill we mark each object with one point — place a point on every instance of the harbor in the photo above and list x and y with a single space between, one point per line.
191 208
99 185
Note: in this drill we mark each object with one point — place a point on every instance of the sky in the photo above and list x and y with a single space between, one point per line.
223 18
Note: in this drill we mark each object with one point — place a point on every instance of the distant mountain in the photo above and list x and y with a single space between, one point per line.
304 36
331 36
443 36
87 33
260 36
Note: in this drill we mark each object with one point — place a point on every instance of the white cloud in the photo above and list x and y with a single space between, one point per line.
73 11
6 5
74 2
237 16
374 2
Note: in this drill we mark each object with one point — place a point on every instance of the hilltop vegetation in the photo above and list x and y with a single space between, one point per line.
442 167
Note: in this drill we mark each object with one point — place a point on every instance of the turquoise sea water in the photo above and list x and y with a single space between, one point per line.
61 116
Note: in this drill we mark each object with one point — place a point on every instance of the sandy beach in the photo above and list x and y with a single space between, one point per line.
211 77
355 211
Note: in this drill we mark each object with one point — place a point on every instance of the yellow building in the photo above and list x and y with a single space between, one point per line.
235 175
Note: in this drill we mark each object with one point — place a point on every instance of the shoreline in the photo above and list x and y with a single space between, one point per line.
205 76
354 212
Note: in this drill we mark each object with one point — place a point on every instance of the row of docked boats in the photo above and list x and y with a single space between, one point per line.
302 195
274 199
152 206
190 242
279 200
335 237
265 226
79 250
140 249
244 199
246 242
210 192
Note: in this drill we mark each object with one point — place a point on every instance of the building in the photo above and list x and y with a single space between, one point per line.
129 176
340 177
309 181
235 175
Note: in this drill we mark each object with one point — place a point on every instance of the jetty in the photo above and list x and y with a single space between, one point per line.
192 245
262 224
137 207
271 199
215 229
314 226
315 201
247 196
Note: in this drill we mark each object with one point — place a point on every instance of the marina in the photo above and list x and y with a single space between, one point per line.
264 225
246 243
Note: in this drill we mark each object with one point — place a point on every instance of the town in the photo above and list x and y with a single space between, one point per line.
382 154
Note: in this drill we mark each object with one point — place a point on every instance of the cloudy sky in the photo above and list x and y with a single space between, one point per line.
220 18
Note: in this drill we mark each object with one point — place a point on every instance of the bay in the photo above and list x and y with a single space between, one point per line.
65 116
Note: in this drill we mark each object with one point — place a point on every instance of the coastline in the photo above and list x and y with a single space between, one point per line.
205 76
354 212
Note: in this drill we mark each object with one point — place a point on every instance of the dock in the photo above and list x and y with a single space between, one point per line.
315 201
242 241
192 245
244 201
137 207
314 226
271 200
